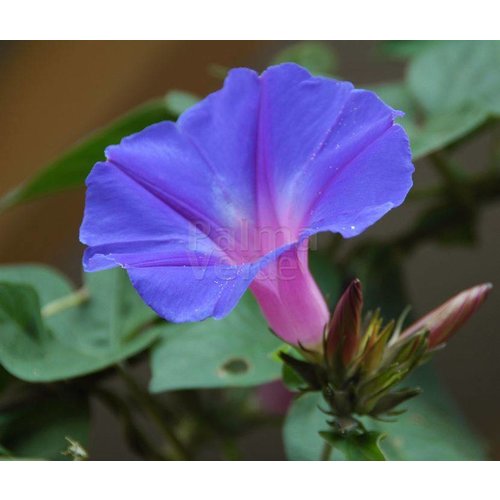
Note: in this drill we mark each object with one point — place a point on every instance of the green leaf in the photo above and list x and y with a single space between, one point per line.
69 341
291 379
444 129
365 446
238 350
303 424
319 58
38 428
177 101
430 429
457 75
429 133
452 88
71 169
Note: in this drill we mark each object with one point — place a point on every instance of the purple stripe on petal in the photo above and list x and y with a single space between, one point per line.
367 187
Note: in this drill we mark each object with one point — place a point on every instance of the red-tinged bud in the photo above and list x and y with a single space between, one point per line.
344 330
450 316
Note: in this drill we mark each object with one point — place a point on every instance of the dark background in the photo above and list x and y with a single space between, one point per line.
53 93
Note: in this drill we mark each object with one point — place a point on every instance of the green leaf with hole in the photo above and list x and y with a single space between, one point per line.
457 76
238 350
39 428
431 428
43 337
71 169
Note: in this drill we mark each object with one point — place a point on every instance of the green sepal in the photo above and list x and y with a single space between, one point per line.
292 380
387 404
308 372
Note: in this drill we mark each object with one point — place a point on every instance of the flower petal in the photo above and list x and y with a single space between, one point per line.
126 223
278 152
189 293
290 298
223 129
200 290
366 188
333 156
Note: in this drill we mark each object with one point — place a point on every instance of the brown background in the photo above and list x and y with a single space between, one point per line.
53 93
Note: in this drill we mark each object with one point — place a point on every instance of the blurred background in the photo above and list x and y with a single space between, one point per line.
54 93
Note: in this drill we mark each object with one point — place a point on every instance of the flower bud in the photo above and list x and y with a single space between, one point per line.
361 371
344 330
445 320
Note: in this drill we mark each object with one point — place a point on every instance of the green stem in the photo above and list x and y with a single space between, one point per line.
326 452
151 407
72 300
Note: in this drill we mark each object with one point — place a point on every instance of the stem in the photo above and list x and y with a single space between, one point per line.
72 300
326 452
136 438
150 406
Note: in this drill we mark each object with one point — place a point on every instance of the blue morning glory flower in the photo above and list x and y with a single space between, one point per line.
225 199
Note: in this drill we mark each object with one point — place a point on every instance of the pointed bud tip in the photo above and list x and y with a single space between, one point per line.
354 294
445 320
355 284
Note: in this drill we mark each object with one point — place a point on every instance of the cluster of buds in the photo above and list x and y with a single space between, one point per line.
364 359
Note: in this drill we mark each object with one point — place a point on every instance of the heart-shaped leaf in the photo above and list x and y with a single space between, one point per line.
430 132
457 75
44 337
